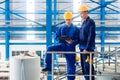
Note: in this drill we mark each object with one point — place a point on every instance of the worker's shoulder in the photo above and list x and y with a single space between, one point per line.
91 20
75 27
61 26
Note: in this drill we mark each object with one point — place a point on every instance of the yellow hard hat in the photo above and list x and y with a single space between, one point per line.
68 15
82 8
77 58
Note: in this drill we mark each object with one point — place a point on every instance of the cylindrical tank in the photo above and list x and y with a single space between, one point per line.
24 68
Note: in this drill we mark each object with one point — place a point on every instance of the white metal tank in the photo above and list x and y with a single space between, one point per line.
24 68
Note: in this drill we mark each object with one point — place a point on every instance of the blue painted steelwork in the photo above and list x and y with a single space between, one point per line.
101 5
10 12
24 43
28 43
49 22
106 3
22 28
2 2
43 35
102 18
115 28
49 28
55 14
7 45
59 12
55 11
7 18
41 43
78 16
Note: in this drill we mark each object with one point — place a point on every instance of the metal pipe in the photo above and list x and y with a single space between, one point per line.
90 75
52 75
115 59
109 57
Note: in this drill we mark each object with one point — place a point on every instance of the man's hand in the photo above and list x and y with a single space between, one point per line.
69 41
85 51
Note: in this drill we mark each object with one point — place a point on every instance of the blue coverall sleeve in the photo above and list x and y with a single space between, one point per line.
58 33
91 36
76 37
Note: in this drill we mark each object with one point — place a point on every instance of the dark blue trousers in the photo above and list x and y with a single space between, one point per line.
86 66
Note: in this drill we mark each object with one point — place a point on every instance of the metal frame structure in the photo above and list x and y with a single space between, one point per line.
101 61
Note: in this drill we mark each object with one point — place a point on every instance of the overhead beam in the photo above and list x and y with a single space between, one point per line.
10 12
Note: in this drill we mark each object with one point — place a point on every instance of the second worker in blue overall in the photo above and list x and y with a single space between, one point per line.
86 41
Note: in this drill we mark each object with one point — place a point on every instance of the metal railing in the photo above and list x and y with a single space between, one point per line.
95 63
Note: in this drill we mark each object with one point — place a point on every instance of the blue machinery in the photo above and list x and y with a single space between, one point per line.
103 9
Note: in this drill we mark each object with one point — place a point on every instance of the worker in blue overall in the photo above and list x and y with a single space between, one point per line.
67 37
86 41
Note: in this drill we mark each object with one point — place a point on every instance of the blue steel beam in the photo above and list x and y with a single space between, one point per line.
102 17
42 43
110 34
10 12
109 43
22 28
24 43
7 18
102 5
44 35
30 20
38 2
94 1
115 6
7 38
115 28
55 18
55 11
106 3
61 19
2 2
2 12
108 28
49 22
60 12
49 28
77 16
113 9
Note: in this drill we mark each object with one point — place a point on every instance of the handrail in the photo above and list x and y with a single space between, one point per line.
65 52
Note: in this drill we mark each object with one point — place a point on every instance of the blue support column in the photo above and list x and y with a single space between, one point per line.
55 55
49 28
102 18
7 44
49 22
55 14
7 18
55 11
